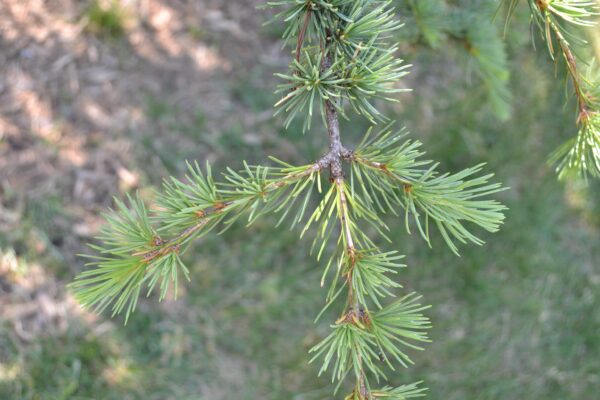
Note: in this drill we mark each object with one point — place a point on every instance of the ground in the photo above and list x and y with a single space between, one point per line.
87 114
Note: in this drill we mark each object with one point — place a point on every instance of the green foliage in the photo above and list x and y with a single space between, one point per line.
132 254
179 202
370 275
400 323
343 57
305 85
580 155
373 339
401 180
351 24
575 12
346 347
128 261
400 393
361 70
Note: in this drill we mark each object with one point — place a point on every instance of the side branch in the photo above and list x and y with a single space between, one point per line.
164 247
549 13
223 206
573 71
132 254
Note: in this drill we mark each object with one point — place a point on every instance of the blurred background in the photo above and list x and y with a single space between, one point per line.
101 98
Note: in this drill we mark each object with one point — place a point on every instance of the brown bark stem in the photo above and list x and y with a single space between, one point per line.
337 153
572 68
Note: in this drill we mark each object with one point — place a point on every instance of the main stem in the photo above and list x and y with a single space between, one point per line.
337 153
333 160
335 142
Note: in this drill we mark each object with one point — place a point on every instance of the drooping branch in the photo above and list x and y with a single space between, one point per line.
580 14
580 155
132 254
573 72
226 205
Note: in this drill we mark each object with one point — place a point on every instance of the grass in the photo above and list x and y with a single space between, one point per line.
515 319
106 19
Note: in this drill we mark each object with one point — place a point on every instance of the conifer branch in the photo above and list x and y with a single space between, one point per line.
133 254
342 57
559 20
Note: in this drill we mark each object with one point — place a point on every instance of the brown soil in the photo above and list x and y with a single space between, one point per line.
73 106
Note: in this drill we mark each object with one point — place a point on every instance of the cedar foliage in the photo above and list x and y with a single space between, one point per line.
343 61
